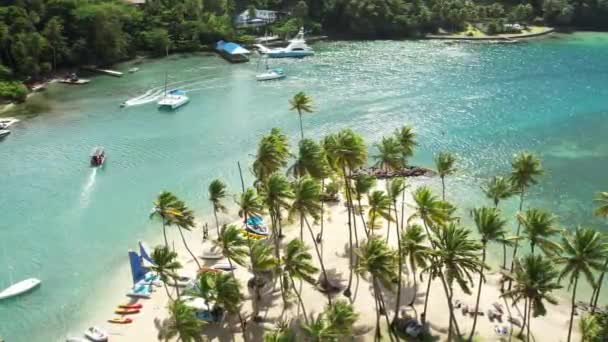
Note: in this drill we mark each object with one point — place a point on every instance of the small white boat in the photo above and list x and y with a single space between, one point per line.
297 48
96 334
4 133
271 74
224 266
20 288
173 99
75 339
133 70
7 122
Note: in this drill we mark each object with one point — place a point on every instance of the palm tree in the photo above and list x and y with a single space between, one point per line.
262 262
539 227
306 202
535 278
584 254
379 260
301 103
185 220
407 139
250 204
342 317
362 186
297 262
182 322
272 155
319 329
165 265
394 188
164 208
390 155
457 253
346 151
217 194
232 245
498 189
229 296
444 162
379 207
275 192
311 161
491 228
602 211
415 251
279 334
526 168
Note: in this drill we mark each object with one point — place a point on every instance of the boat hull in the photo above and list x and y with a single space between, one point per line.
289 54
19 288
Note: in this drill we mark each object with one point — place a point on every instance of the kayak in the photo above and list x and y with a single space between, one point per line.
131 306
19 288
126 311
120 320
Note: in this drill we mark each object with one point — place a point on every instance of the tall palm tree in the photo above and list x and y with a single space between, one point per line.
390 155
307 202
491 228
379 208
182 323
185 220
319 329
380 261
301 103
311 160
415 250
363 184
526 168
249 204
497 189
229 296
297 263
347 151
395 188
217 194
583 254
262 262
165 265
457 253
535 278
342 317
602 211
164 208
444 162
407 139
272 154
232 245
539 227
276 193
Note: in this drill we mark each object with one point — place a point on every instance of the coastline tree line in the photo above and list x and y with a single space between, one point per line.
38 36
432 244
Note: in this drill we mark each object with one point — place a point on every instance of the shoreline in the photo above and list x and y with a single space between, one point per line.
498 37
551 327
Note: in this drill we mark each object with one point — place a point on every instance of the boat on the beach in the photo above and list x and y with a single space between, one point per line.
74 79
20 288
98 157
120 320
173 99
96 334
255 224
297 48
140 291
4 133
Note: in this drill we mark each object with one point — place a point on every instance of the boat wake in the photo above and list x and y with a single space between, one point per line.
85 195
153 94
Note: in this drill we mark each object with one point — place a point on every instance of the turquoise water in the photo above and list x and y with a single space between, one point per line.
71 226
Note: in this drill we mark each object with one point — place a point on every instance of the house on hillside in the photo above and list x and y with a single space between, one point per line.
261 18
136 2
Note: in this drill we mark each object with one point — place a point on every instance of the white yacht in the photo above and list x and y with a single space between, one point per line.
297 48
173 99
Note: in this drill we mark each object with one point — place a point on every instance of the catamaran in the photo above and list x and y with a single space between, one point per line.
270 74
19 288
297 48
172 99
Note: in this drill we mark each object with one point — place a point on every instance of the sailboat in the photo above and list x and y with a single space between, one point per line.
270 74
172 99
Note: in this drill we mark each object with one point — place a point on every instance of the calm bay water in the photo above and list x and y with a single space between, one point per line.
70 225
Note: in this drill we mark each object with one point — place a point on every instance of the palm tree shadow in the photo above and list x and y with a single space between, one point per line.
217 331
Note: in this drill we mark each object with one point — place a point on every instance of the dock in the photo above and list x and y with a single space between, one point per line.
103 71
79 81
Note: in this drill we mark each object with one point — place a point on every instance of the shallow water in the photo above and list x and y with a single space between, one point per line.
70 225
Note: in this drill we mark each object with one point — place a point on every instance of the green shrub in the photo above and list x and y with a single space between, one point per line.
13 91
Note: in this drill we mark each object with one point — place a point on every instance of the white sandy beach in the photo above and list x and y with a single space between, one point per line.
552 327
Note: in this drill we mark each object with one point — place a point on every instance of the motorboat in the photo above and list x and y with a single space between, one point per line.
98 156
173 99
297 48
20 288
7 122
133 70
271 74
255 224
96 334
4 133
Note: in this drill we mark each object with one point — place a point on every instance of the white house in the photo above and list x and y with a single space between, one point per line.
262 17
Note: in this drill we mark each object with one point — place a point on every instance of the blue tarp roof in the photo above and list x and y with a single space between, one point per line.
231 48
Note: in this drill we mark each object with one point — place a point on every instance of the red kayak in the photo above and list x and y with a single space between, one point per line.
126 311
131 306
120 320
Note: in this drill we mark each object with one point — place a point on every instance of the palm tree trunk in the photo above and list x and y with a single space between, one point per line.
573 308
301 127
325 279
529 320
483 262
217 223
293 285
598 288
400 260
301 228
320 236
532 244
362 217
402 204
167 289
277 253
188 248
451 314
378 334
521 205
388 225
165 233
413 266
443 188
238 312
426 299
347 292
523 327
